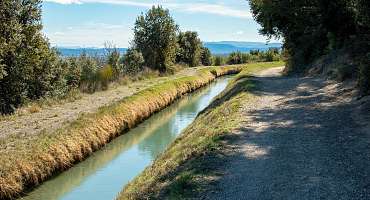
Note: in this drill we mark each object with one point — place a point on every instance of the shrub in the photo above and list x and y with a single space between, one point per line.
113 59
105 76
235 58
133 61
218 60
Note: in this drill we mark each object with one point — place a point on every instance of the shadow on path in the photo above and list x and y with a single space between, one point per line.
300 142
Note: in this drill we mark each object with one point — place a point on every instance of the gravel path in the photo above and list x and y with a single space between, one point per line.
56 116
306 138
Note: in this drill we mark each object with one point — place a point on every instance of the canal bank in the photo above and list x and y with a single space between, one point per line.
187 165
28 162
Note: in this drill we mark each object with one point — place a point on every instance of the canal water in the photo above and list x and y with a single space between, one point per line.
103 175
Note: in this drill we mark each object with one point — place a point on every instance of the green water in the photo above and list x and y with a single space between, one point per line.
106 172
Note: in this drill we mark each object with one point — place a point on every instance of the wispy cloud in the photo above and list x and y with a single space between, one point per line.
217 9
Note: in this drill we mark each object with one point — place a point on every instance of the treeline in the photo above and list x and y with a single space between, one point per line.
273 54
319 28
30 69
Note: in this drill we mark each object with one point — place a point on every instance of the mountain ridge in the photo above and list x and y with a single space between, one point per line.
219 47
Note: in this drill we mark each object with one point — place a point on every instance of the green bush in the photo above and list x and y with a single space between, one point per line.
235 58
133 62
105 76
113 59
218 60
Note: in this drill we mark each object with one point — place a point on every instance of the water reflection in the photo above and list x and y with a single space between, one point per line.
103 174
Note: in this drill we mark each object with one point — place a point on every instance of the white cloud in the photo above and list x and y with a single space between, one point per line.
65 1
240 32
217 9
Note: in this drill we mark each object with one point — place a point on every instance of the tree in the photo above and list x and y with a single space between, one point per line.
235 58
133 61
206 57
190 48
155 37
113 58
218 61
29 69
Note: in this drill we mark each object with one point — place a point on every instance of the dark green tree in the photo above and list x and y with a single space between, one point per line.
206 57
218 60
235 58
155 37
29 69
189 49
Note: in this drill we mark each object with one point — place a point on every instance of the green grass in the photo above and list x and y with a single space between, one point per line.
178 172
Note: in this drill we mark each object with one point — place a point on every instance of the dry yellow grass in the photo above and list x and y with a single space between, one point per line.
26 162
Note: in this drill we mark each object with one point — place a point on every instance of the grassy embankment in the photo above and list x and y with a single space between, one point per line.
178 172
26 162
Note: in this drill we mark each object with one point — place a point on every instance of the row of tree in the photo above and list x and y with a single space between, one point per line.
273 54
313 28
159 42
30 69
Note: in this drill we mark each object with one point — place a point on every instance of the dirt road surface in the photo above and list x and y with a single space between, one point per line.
306 138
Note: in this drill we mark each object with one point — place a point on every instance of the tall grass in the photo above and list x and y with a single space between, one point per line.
26 162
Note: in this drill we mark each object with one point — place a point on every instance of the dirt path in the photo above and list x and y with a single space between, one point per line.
304 139
53 117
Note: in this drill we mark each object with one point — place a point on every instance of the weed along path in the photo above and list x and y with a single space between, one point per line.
103 174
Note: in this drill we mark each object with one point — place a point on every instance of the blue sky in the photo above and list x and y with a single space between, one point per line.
90 23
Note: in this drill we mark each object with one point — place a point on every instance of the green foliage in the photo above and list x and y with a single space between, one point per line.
312 28
113 61
155 37
273 54
29 69
189 48
206 56
235 58
219 60
133 61
106 75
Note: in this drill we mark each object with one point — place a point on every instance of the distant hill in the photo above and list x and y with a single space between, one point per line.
226 47
76 51
223 47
